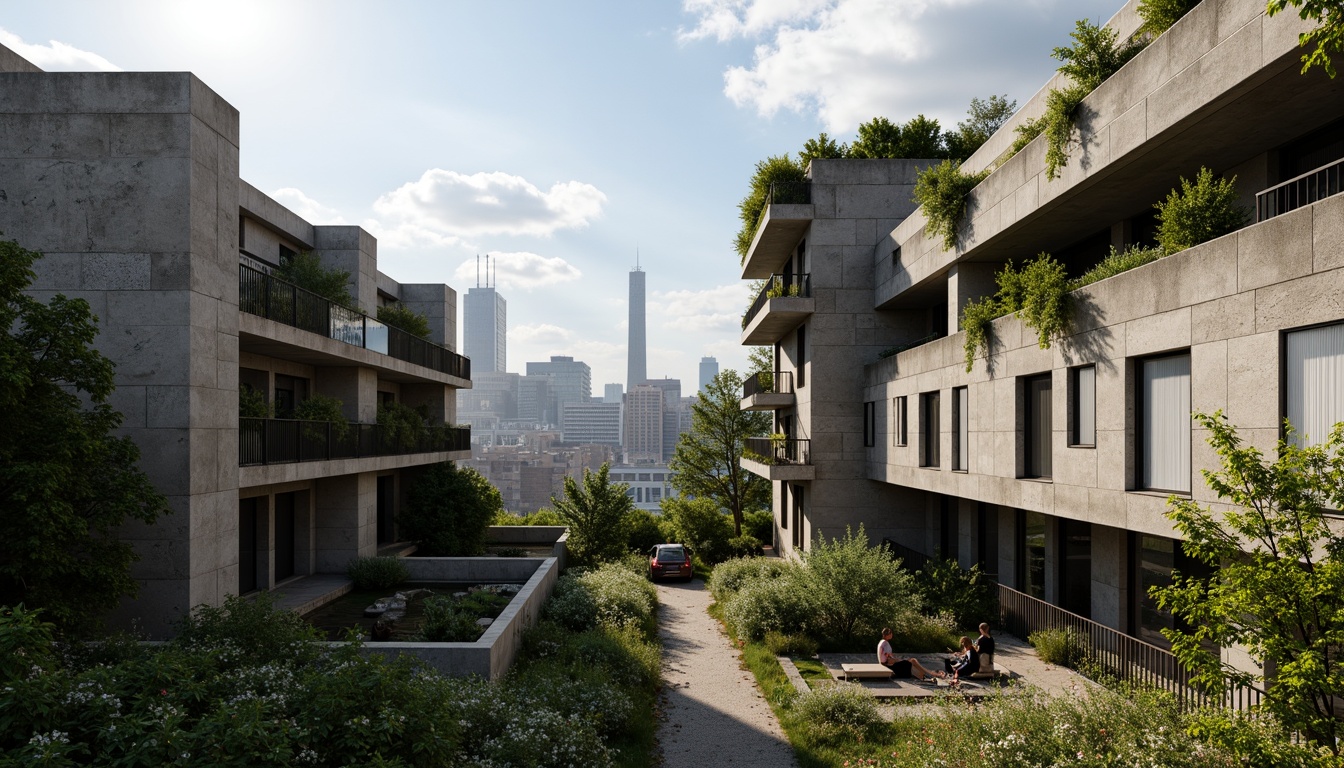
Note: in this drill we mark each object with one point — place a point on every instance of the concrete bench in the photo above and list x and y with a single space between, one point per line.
865 672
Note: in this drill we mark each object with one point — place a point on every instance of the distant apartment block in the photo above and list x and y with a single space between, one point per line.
644 407
571 380
591 423
649 484
533 470
128 183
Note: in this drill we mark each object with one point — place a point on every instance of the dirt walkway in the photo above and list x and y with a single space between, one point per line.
714 713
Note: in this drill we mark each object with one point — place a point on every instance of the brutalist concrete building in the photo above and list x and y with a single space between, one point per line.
1052 467
128 183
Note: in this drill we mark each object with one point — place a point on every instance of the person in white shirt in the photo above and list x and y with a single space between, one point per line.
909 667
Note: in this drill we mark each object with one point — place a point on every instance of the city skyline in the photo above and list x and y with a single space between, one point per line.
552 159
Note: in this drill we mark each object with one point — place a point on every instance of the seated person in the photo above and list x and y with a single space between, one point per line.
984 644
966 661
900 667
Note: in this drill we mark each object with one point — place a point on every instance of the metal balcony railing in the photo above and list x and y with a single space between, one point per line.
790 193
1301 191
779 450
274 299
768 383
286 441
899 348
778 287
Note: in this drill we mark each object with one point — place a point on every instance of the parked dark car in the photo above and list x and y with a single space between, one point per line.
669 560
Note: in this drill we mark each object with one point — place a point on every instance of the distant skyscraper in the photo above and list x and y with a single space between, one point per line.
612 393
709 368
643 425
636 367
485 325
571 380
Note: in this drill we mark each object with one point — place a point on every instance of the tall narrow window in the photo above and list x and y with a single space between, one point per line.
1031 553
1164 424
1037 427
929 427
1084 432
869 425
961 432
1314 382
901 430
802 355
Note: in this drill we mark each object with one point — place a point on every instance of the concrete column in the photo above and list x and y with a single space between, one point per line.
438 303
1110 560
440 401
967 282
345 520
1008 557
355 387
352 249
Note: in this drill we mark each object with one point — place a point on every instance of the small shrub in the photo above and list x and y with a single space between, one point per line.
777 168
269 634
701 525
644 529
320 408
786 605
1063 647
919 633
838 713
400 316
941 191
306 271
1061 104
976 317
576 692
252 403
1198 212
611 596
966 595
731 576
1159 15
1026 131
1117 262
1094 56
1045 303
857 588
448 622
402 426
781 644
759 523
744 546
25 642
376 572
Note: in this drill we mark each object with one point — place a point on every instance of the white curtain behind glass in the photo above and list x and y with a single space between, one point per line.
963 429
1166 424
1315 381
1086 406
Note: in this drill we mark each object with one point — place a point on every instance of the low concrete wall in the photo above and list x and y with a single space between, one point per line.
481 570
491 656
532 536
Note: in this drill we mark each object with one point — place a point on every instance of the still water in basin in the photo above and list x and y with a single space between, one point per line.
336 618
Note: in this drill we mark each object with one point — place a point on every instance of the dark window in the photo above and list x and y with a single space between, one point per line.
1075 567
284 535
948 528
961 433
1083 430
387 527
1037 428
988 539
784 507
896 256
869 424
797 516
1031 553
286 254
802 355
247 544
1154 559
901 428
930 450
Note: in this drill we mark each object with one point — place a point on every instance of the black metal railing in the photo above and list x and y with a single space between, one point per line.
1301 191
285 441
790 193
779 450
1117 654
274 299
768 383
779 287
911 560
899 348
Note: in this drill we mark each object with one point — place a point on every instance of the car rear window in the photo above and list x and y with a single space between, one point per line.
671 555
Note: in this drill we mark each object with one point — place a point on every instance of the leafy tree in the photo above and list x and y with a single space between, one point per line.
701 525
984 117
644 529
823 147
1277 586
596 514
306 271
857 587
1159 15
404 318
921 137
878 137
776 168
707 463
1199 212
1328 35
448 510
760 360
66 484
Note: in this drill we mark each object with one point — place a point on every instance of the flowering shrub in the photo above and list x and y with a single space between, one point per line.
838 713
731 575
785 604
612 595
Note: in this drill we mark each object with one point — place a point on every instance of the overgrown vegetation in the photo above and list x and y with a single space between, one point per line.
1063 647
1328 34
1199 212
941 191
1038 294
401 316
448 511
321 408
1159 15
402 427
966 596
306 271
596 513
252 403
376 572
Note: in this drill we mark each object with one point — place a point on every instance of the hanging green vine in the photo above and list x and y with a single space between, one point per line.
941 191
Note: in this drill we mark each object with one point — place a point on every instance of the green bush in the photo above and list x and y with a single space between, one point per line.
401 426
976 317
376 572
781 644
449 510
1159 15
252 403
744 546
837 714
857 588
785 604
701 525
306 271
760 524
731 576
776 168
1198 212
320 408
447 621
611 596
1063 647
968 596
400 316
941 192
643 530
578 692
25 642
1117 262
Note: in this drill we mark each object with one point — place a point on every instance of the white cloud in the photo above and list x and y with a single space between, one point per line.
523 270
306 207
540 334
448 203
717 309
56 56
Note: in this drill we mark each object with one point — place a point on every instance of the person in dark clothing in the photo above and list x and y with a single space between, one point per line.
966 661
984 643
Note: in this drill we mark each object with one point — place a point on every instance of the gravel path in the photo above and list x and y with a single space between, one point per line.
713 713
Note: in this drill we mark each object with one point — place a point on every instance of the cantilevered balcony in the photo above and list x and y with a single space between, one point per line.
787 215
274 299
1301 191
768 391
287 441
782 305
779 458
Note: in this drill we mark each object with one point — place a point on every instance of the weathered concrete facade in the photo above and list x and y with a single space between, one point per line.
957 457
128 184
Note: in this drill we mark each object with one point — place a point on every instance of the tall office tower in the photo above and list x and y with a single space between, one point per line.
644 425
613 393
636 365
536 404
571 380
484 325
709 368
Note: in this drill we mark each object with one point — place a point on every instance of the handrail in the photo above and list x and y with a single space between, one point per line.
768 383
286 441
779 450
790 193
779 287
1300 191
899 348
267 296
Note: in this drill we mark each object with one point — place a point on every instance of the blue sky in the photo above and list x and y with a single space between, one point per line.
560 136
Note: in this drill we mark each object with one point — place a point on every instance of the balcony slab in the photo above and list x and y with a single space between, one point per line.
768 401
780 229
776 318
773 472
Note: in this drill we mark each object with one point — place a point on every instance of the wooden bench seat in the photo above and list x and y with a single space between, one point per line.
865 672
